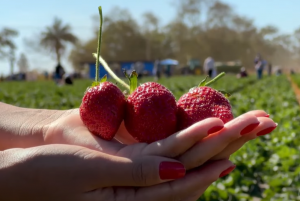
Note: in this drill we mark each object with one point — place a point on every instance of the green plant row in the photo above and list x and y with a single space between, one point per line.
267 167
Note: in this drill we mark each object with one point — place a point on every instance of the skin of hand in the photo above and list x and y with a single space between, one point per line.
23 128
74 173
192 146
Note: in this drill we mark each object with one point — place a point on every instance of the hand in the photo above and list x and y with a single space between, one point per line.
73 173
192 146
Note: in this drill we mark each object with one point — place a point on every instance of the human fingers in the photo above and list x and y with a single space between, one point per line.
181 141
195 181
259 113
266 126
111 170
215 143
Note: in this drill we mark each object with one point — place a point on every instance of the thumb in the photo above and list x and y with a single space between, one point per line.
140 171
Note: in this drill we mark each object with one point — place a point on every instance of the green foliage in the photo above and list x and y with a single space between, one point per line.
267 167
296 79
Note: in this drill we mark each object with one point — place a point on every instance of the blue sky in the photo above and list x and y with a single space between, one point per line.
31 16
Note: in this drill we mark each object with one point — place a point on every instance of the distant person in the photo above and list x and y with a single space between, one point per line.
292 72
156 69
68 79
59 73
278 71
259 66
139 68
46 75
168 70
242 73
270 69
209 67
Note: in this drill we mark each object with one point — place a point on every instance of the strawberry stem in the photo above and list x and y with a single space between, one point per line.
99 44
102 61
110 72
215 79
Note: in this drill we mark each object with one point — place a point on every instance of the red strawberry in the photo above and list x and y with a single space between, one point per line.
200 103
102 109
151 113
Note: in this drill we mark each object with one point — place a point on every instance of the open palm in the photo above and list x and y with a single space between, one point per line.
192 146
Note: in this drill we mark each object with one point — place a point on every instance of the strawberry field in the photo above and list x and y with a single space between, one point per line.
267 168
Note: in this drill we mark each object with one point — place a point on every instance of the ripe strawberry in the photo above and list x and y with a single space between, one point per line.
103 105
200 103
151 113
102 109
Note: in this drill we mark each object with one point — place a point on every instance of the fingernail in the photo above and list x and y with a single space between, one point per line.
267 115
227 171
249 128
266 131
171 170
214 129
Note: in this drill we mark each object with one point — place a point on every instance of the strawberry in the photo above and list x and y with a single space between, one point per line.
202 102
102 109
150 112
103 105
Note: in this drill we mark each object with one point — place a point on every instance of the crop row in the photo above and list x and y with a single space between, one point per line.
267 167
45 94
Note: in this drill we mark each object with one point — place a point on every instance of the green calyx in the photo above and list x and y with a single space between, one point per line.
226 94
207 83
103 79
133 81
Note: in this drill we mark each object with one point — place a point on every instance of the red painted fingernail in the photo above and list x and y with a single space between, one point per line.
267 115
214 129
227 171
266 131
249 128
171 170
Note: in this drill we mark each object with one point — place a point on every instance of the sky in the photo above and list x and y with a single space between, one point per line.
30 17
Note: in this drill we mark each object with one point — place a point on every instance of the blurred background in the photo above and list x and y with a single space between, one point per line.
35 36
46 62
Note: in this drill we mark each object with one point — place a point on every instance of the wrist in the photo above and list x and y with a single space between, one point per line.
23 127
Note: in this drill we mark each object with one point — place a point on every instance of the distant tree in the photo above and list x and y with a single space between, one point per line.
150 26
200 28
23 63
219 15
6 41
56 36
7 46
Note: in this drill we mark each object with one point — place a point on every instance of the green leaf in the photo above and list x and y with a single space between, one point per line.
215 79
95 84
103 79
203 82
226 94
133 81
